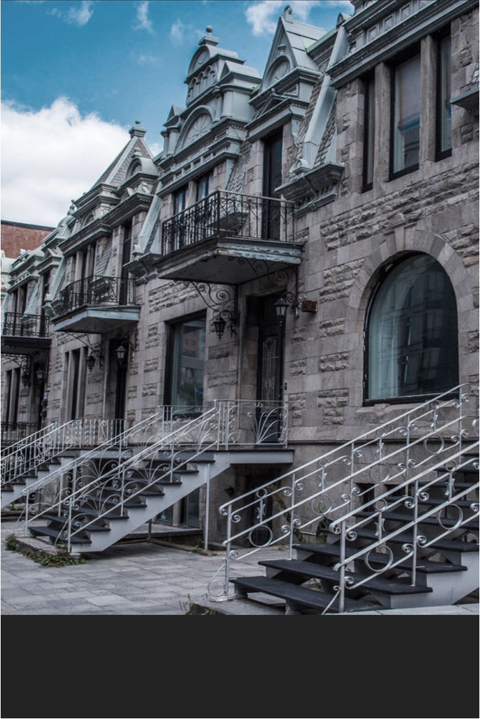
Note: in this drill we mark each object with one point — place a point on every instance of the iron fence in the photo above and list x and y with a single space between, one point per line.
95 290
17 324
229 214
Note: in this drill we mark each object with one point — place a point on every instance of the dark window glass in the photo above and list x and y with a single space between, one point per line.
204 186
406 115
444 108
369 130
188 356
412 332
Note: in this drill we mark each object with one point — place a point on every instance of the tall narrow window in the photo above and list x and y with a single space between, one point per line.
406 116
187 365
412 332
204 186
368 132
272 178
444 109
126 256
179 227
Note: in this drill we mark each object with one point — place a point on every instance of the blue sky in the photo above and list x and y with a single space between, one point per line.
77 74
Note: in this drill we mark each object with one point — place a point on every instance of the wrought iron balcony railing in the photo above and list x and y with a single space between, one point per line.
229 214
16 324
95 291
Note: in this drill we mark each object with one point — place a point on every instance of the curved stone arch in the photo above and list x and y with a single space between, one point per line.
195 117
388 252
134 167
281 67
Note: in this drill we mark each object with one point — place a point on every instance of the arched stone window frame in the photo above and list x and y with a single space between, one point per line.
411 331
200 112
282 64
387 249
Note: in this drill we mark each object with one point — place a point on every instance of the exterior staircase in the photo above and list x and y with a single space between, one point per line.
88 501
408 540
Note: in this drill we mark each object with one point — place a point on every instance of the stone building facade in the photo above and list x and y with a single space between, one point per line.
342 183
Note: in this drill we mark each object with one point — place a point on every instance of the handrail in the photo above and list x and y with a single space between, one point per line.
71 498
115 439
29 453
417 437
20 324
229 214
227 424
348 529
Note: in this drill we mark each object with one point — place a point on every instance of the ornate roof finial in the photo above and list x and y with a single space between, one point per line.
137 130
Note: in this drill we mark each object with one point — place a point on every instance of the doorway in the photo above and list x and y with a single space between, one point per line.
270 371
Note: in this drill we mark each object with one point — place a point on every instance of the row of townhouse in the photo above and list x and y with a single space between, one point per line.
302 253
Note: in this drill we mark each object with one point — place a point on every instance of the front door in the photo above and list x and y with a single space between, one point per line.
270 371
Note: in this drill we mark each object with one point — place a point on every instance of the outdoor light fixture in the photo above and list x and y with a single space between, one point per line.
219 325
90 362
92 358
40 374
26 379
121 353
285 301
281 309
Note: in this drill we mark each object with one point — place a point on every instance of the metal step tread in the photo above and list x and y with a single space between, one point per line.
318 571
49 532
449 545
298 595
63 521
89 512
425 566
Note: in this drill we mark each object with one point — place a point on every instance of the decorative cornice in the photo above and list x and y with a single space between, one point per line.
313 189
405 31
468 101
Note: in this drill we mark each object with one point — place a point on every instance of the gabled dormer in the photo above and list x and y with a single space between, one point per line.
289 77
210 128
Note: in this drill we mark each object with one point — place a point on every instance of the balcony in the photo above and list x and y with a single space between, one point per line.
25 334
228 238
96 304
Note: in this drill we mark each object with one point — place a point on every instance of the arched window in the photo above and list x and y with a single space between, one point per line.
412 340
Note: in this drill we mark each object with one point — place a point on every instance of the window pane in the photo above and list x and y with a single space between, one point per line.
444 84
369 129
188 364
406 115
412 337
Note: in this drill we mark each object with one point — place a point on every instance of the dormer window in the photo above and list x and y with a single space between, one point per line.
279 70
134 168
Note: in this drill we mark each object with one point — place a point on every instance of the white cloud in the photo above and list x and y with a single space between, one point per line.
75 16
179 32
263 16
152 60
52 156
143 21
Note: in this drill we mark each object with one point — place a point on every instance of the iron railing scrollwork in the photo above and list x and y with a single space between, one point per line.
229 214
416 452
117 469
95 291
17 324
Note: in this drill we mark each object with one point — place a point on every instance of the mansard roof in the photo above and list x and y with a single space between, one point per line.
289 49
116 173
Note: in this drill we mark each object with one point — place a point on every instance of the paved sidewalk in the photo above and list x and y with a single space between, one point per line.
137 578
134 578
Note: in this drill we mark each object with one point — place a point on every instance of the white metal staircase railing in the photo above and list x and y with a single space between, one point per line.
414 490
326 490
29 453
226 425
